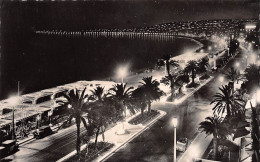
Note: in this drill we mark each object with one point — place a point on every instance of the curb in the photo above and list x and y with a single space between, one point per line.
25 141
116 147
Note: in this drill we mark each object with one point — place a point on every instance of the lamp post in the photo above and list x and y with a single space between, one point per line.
215 62
122 73
174 123
13 101
237 67
50 115
38 119
246 59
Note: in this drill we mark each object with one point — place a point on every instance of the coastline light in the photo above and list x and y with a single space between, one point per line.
250 26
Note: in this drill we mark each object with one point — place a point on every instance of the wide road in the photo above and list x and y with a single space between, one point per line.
155 144
50 148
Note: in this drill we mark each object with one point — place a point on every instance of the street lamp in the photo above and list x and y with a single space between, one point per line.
50 116
174 123
221 79
237 64
122 73
246 59
38 120
13 101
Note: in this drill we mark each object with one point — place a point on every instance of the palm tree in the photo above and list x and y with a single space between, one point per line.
192 67
76 105
167 62
213 125
252 73
138 99
170 80
226 101
203 64
252 76
232 74
97 94
152 91
100 115
122 95
255 134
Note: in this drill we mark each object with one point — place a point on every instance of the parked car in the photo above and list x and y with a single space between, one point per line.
43 132
182 144
8 147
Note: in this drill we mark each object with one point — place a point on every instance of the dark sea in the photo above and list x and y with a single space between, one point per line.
46 61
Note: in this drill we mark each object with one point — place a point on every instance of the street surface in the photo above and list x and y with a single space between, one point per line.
155 144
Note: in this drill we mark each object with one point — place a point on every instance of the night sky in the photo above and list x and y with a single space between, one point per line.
121 14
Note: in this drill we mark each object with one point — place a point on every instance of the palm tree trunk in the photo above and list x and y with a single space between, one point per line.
97 133
149 106
172 89
167 66
228 110
193 76
78 134
215 148
103 128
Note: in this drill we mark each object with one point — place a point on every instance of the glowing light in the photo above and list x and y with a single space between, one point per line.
69 106
258 62
122 72
174 122
221 79
250 26
237 64
39 117
253 102
13 101
258 96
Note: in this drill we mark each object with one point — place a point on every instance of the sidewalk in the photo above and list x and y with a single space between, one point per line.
119 140
196 148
